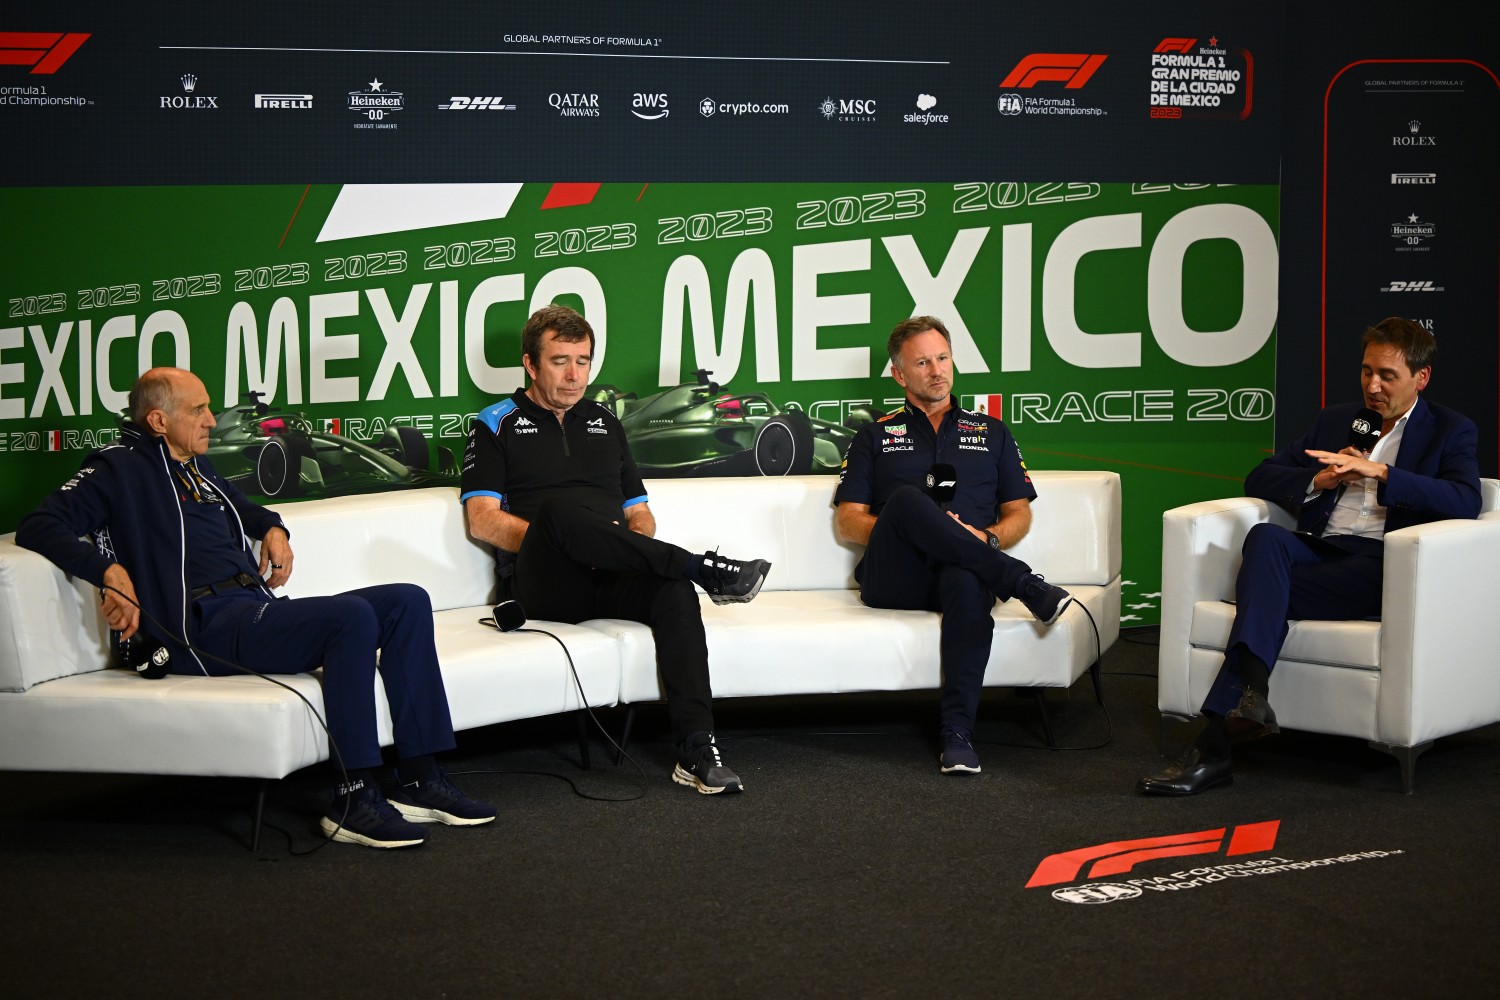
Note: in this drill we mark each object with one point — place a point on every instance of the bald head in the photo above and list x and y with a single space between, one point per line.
172 403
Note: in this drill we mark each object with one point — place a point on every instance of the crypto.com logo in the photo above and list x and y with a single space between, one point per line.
43 51
1071 69
1121 856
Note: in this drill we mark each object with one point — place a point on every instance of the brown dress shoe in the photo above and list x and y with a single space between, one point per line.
1251 719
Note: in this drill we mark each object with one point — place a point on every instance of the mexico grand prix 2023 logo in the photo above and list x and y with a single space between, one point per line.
44 51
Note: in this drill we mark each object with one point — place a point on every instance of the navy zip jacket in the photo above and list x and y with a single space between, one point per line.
125 497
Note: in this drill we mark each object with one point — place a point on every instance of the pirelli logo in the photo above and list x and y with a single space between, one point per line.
1072 70
43 51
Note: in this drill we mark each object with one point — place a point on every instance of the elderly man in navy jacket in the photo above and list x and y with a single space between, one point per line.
1421 468
171 555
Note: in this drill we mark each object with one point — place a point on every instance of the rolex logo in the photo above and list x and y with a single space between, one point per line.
1415 126
189 82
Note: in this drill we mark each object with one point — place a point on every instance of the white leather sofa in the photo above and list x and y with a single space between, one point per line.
1426 669
61 710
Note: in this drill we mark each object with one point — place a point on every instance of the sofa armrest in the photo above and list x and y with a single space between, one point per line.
1200 555
1440 635
50 624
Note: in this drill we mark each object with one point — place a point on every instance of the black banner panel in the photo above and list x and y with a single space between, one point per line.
403 93
1412 224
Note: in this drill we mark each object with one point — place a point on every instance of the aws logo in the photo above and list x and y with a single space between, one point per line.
649 107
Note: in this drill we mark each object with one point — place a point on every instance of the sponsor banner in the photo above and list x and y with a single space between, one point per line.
1115 326
1412 226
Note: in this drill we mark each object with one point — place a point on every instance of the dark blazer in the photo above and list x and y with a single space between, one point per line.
1435 475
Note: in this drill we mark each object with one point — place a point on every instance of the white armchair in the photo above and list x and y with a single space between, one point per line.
1430 667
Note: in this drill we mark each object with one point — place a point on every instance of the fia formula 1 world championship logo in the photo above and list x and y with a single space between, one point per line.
44 51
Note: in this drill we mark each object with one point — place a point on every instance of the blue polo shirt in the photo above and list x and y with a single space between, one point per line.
899 449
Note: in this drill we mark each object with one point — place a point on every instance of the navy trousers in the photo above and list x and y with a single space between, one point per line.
576 564
342 634
1284 575
919 558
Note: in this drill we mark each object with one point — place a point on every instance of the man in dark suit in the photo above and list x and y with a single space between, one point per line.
1421 468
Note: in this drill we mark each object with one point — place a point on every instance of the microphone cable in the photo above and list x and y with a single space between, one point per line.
583 699
332 744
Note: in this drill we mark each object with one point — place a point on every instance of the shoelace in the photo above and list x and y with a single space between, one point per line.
713 749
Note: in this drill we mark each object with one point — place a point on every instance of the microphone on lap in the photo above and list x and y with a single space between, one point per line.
1364 430
942 483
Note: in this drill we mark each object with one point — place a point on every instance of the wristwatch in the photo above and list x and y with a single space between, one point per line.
994 540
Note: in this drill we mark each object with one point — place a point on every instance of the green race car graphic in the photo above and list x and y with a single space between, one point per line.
696 429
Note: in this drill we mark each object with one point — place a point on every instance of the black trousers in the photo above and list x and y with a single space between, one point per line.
576 564
919 558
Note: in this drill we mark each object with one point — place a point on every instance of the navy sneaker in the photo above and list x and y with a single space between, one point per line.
1045 602
958 756
700 766
437 800
731 581
359 814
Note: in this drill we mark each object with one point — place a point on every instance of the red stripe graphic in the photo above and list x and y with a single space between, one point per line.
569 195
1123 855
43 51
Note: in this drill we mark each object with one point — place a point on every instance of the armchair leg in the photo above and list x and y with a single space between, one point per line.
582 716
625 733
1096 675
1408 759
260 813
1041 706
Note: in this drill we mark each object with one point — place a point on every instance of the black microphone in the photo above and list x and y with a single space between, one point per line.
942 483
147 656
1364 430
509 615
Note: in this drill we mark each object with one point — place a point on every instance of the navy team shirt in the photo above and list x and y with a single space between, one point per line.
520 454
900 449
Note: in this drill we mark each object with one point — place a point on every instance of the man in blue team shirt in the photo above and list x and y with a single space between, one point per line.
921 556
549 480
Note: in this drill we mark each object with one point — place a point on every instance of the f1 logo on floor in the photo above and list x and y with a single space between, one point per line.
1122 855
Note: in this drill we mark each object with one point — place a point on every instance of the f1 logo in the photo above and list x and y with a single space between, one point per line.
1183 45
1071 69
43 51
1123 855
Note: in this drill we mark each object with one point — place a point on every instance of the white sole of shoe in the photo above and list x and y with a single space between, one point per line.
1062 606
958 769
344 835
421 814
683 776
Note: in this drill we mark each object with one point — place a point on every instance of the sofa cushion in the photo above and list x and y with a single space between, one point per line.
1354 644
406 536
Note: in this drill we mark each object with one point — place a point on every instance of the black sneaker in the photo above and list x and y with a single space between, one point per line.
700 766
1045 602
958 756
359 814
439 801
732 581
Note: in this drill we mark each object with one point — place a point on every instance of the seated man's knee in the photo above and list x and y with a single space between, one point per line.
963 595
676 597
